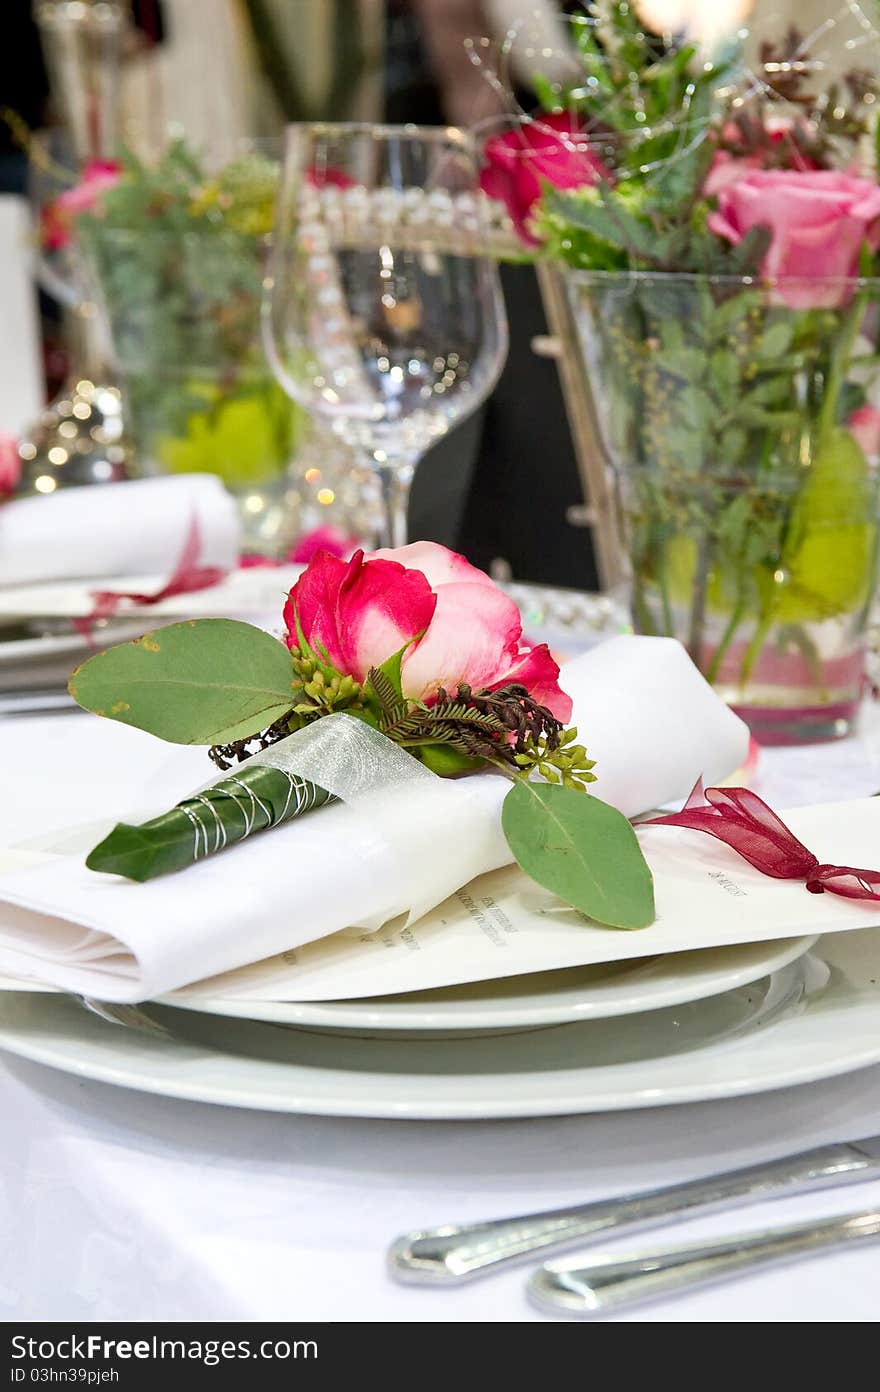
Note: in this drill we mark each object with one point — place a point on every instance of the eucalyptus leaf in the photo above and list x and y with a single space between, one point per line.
777 339
207 681
725 372
688 363
696 407
760 418
770 391
581 849
728 315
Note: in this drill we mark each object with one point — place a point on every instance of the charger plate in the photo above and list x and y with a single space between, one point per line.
531 1000
816 1018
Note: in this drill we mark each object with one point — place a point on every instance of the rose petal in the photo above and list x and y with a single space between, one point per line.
439 565
360 612
552 148
313 602
718 223
537 670
819 220
474 638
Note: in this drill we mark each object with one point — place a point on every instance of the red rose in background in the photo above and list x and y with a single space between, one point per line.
554 149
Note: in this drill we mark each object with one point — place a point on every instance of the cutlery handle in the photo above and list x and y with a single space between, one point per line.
607 1286
451 1254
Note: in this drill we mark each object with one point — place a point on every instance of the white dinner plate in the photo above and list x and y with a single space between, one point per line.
688 1053
536 999
50 646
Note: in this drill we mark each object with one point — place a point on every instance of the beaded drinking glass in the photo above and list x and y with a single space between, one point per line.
383 313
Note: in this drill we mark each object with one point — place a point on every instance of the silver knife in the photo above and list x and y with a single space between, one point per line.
454 1253
609 1284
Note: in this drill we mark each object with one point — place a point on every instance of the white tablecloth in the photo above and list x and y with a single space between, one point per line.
116 1205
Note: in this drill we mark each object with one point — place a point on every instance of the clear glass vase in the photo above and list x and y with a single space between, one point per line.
742 422
183 311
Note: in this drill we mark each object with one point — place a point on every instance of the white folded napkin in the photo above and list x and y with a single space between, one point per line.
647 716
137 528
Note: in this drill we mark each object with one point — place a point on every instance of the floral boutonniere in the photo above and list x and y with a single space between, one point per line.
416 643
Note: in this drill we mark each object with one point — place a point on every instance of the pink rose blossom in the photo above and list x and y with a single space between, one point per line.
864 425
551 149
57 219
820 220
363 611
10 464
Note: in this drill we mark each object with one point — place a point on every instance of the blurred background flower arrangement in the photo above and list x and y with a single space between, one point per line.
177 257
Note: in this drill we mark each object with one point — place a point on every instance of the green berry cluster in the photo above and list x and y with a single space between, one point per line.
325 689
567 763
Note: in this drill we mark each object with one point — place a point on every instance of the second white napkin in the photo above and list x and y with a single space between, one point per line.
117 529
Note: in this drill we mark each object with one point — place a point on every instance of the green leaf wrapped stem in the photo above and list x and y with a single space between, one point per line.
253 798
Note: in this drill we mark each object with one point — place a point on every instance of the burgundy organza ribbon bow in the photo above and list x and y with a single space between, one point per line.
188 575
746 824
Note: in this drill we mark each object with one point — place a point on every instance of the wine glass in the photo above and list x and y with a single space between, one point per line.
383 314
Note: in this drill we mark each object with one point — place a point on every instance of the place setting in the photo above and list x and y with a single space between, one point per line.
347 801
535 971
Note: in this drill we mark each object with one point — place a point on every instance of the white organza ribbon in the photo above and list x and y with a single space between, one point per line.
399 804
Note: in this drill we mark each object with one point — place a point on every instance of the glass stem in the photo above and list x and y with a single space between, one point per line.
395 480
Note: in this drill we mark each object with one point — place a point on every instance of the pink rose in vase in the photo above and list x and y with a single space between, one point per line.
459 627
819 221
552 149
57 217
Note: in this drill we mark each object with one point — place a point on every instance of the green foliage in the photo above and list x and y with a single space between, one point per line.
831 535
564 762
506 727
648 110
581 849
207 681
748 497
